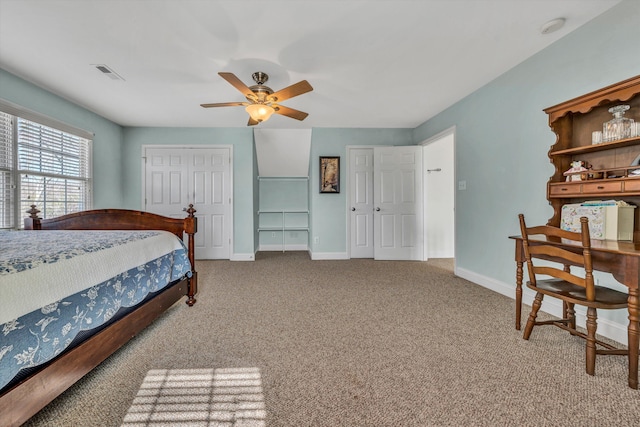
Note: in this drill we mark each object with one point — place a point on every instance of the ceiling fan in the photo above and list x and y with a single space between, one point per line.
262 100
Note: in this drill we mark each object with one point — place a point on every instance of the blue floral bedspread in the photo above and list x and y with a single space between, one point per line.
40 335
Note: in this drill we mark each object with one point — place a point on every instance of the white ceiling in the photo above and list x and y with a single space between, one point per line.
372 63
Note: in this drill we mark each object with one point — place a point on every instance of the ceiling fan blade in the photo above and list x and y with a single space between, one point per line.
252 122
291 91
237 83
290 112
224 104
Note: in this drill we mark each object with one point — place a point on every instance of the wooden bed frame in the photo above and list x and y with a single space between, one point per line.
26 398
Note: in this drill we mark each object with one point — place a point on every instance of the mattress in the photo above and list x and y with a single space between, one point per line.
57 284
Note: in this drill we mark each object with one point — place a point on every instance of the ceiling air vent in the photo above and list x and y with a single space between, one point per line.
108 72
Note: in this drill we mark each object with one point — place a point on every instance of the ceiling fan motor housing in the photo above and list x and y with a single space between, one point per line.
259 88
259 77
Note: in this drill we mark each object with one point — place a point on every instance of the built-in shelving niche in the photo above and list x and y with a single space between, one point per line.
283 183
283 217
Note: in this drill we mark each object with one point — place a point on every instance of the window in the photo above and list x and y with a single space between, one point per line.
42 165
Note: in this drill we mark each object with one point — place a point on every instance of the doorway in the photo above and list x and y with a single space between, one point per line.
176 176
439 196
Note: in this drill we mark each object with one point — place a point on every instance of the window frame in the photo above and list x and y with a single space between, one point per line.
16 111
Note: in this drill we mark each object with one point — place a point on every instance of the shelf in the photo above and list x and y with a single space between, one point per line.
614 94
283 212
283 178
573 122
597 147
279 211
283 229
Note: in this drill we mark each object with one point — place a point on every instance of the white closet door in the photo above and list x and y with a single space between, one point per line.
177 177
361 202
398 224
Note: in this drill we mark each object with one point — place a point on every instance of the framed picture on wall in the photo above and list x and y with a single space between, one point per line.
329 174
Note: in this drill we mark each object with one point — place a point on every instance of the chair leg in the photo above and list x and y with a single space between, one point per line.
570 314
537 303
591 341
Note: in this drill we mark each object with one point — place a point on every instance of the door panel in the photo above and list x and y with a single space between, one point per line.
157 188
408 231
387 187
387 231
176 183
218 241
407 187
361 225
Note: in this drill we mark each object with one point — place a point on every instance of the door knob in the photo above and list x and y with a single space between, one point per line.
353 209
377 209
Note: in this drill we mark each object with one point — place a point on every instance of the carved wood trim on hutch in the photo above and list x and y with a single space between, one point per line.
573 122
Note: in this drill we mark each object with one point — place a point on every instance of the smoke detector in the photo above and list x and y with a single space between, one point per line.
551 26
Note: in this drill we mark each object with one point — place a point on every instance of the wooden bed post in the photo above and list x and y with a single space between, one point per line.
191 226
33 221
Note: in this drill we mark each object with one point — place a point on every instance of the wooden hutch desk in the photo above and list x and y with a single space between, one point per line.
622 260
612 175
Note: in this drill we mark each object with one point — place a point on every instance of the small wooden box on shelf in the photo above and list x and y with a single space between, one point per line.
611 174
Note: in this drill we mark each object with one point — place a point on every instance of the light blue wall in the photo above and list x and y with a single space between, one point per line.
502 134
243 168
107 143
329 211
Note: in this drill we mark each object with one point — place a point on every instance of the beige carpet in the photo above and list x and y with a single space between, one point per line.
353 343
199 397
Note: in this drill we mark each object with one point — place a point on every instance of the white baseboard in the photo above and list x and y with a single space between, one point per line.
606 327
328 255
242 257
279 248
441 254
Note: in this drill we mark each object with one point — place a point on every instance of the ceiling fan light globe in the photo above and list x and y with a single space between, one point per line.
260 112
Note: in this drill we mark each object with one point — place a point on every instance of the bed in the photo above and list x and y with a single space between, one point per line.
76 288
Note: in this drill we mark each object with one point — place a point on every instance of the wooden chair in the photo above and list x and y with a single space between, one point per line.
570 288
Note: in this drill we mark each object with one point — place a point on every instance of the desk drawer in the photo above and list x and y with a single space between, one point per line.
632 185
601 187
565 189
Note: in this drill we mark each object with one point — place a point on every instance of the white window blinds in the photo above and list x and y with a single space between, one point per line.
7 185
44 166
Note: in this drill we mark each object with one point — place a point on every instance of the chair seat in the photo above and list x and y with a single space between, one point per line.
605 297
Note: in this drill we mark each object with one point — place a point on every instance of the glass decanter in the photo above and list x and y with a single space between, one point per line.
619 127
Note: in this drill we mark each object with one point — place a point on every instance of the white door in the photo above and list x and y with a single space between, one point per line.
398 225
361 205
176 177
